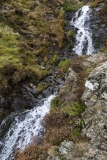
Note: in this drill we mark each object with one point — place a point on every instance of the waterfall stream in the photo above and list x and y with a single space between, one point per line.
81 21
18 129
22 128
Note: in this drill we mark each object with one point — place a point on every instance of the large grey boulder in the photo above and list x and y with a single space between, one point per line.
95 115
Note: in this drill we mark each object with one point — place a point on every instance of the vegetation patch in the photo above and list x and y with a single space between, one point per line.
71 7
63 65
27 32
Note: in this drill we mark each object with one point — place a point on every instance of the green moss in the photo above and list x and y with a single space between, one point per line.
61 13
9 50
54 59
70 34
63 65
41 86
70 7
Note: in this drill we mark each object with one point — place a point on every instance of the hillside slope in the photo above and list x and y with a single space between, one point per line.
34 38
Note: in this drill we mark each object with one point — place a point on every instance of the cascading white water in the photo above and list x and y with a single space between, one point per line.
84 36
24 126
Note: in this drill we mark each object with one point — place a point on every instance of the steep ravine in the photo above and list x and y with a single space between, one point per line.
20 122
13 138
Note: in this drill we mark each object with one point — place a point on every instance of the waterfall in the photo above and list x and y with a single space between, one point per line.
17 130
23 127
81 21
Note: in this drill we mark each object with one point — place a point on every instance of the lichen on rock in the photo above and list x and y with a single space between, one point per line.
95 115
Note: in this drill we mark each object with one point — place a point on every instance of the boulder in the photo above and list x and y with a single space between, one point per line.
95 115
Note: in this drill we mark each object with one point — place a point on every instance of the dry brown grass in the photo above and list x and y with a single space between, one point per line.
33 152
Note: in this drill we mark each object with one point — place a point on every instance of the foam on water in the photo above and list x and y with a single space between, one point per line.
23 128
84 35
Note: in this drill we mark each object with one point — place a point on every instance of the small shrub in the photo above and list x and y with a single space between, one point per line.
55 103
9 69
55 136
81 123
29 153
56 119
33 152
75 109
75 132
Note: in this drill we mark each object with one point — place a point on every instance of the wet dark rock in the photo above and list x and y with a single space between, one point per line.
47 91
40 96
2 101
42 130
31 88
97 9
60 81
18 104
99 29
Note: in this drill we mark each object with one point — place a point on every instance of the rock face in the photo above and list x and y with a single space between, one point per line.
67 151
98 27
95 115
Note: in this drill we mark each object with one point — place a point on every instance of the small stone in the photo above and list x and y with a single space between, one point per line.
103 113
53 150
86 95
97 9
65 147
94 98
89 85
42 67
104 96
